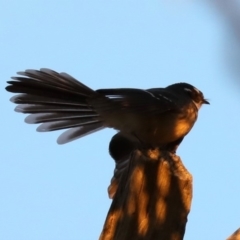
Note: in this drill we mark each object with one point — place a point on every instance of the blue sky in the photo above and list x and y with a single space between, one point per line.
60 192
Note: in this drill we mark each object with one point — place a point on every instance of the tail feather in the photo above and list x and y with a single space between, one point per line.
63 77
52 117
32 86
75 133
56 100
34 108
52 77
49 83
34 99
63 124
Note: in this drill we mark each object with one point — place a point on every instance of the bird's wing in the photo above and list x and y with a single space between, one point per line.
151 101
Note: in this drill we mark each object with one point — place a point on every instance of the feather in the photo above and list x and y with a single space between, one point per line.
28 99
63 124
54 117
78 132
56 100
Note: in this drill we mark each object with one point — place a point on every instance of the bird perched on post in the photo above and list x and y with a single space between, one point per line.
152 118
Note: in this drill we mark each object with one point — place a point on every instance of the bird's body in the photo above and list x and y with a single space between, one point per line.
148 130
156 117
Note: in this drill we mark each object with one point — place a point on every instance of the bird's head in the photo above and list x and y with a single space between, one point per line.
187 90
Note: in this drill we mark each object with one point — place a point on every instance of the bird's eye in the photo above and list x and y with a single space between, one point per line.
195 94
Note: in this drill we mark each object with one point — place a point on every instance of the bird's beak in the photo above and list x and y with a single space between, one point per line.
205 101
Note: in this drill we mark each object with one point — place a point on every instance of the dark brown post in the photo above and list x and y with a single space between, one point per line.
152 201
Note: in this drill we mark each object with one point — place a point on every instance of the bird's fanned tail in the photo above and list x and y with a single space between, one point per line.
56 100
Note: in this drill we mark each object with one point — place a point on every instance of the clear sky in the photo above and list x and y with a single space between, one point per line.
52 192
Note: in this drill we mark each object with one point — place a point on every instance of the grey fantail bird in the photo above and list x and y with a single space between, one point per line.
156 117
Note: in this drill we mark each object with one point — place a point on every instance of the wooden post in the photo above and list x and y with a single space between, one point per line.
235 235
152 201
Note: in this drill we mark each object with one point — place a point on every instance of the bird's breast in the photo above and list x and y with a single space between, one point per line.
155 130
174 126
166 128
